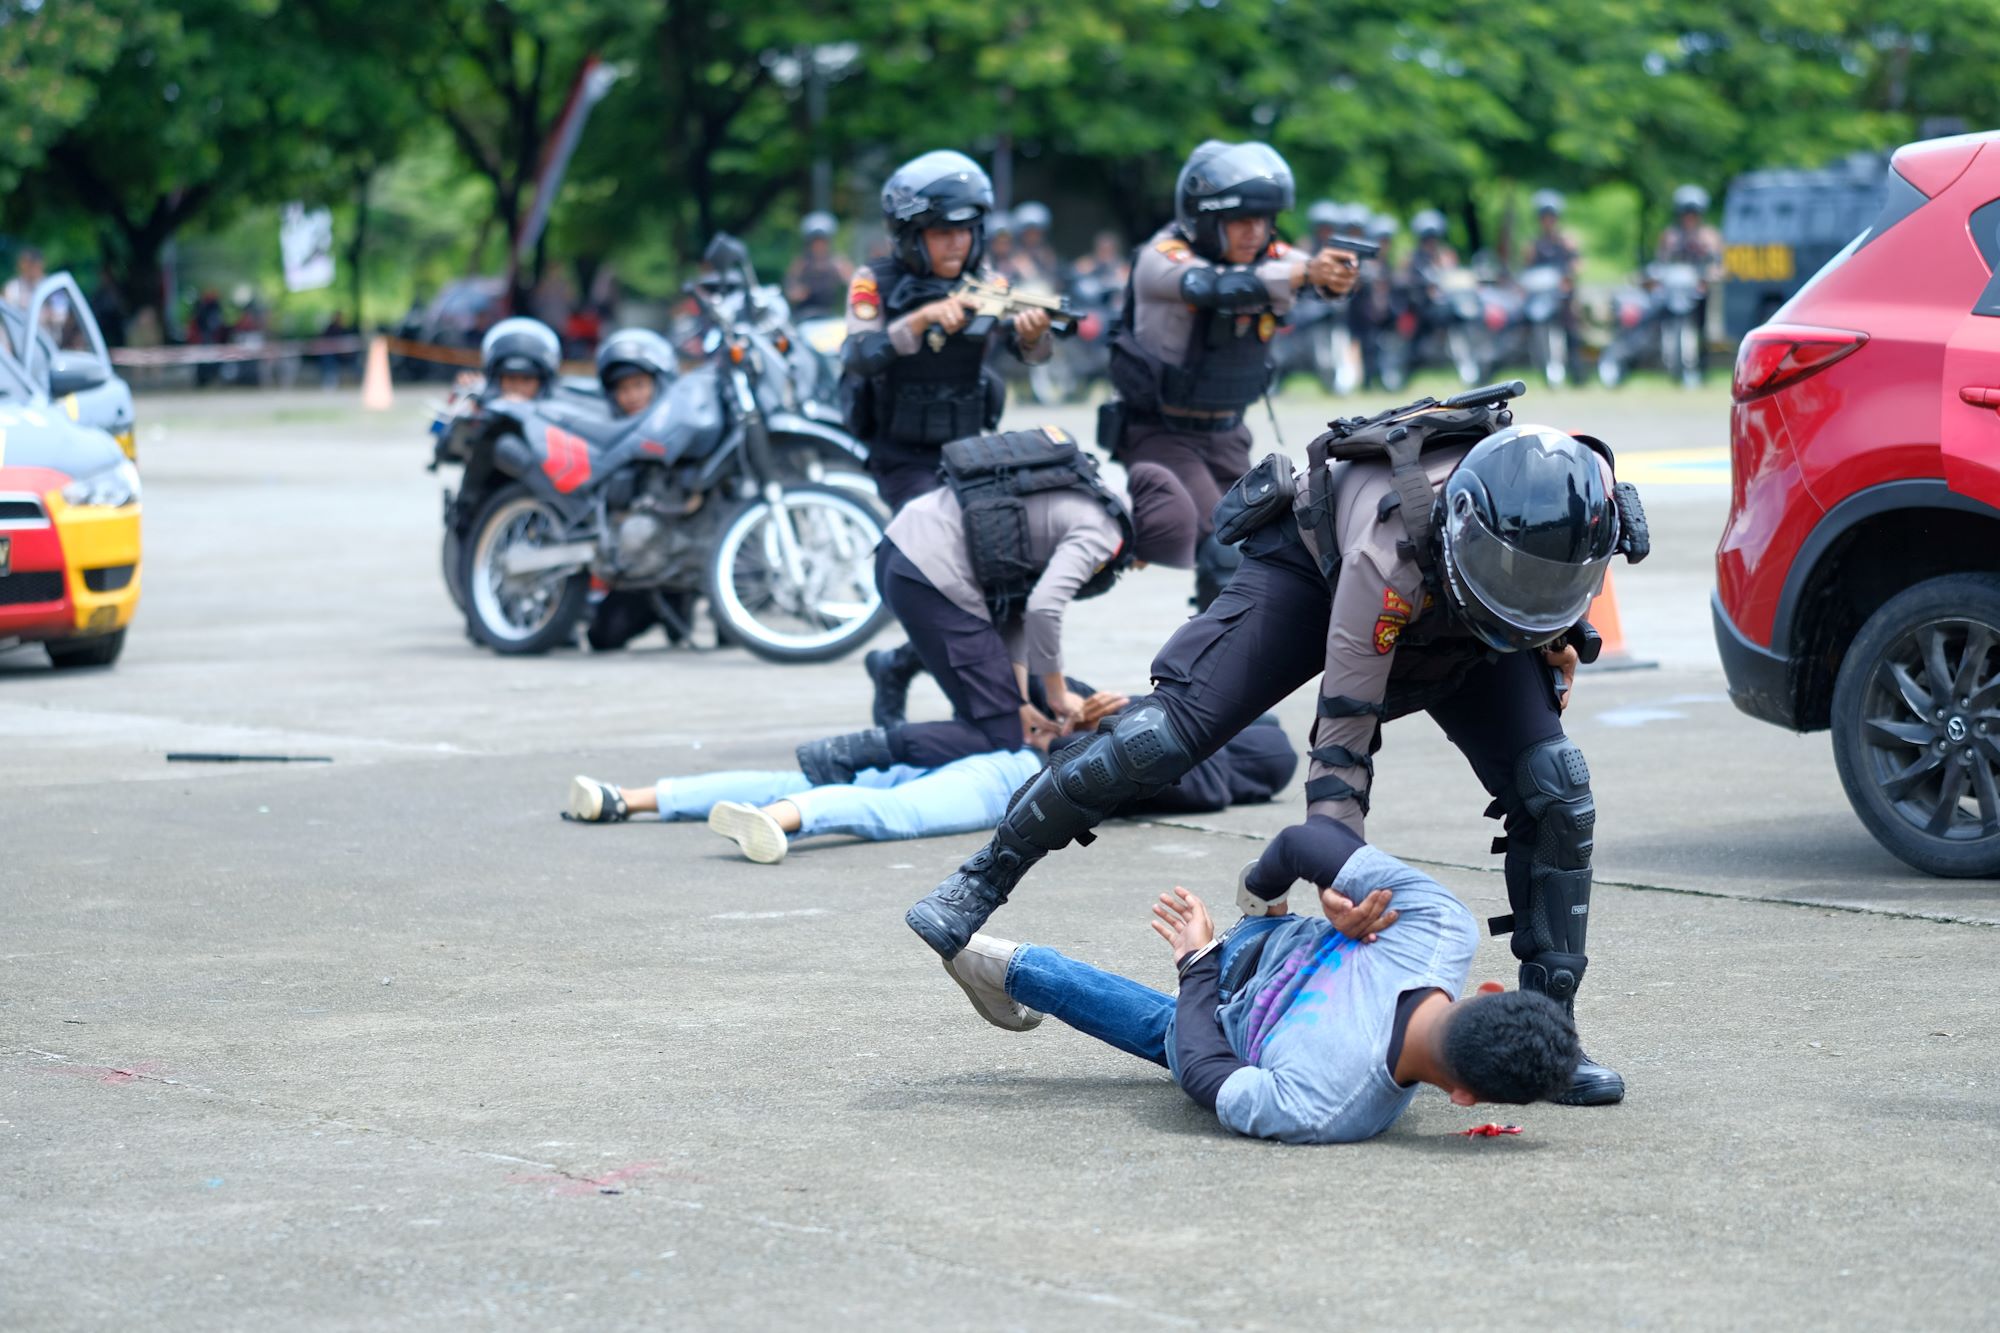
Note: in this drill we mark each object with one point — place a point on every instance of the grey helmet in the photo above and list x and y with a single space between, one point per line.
1228 180
1381 228
1690 199
635 352
1428 225
1548 201
1325 213
1353 220
818 224
941 188
1033 215
521 346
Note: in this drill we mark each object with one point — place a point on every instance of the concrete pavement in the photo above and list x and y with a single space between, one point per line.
382 1043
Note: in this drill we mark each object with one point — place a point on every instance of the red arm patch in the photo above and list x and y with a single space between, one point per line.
1389 625
864 300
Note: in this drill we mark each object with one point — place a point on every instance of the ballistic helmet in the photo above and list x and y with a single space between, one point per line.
635 352
1325 213
1690 199
815 225
1428 225
521 346
1381 228
1353 220
1228 180
1526 525
1033 215
1548 201
939 189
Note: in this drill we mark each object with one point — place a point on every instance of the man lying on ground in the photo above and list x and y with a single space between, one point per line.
761 812
1296 1028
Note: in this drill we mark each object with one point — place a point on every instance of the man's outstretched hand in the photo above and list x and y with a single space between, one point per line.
1182 920
1358 921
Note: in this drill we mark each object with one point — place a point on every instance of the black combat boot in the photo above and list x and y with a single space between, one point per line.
1592 1084
892 670
835 760
952 913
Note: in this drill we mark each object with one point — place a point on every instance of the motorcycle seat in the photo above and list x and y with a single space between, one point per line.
593 422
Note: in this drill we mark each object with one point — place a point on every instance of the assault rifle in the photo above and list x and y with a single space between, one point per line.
996 300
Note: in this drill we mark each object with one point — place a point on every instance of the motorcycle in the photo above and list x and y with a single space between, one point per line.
1444 317
721 489
1544 303
1318 341
1658 318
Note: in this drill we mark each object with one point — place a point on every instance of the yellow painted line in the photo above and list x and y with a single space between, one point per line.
1676 467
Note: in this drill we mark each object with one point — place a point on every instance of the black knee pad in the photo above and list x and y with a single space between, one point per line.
1146 748
1549 841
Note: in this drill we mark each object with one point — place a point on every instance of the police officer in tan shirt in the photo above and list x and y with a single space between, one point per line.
1193 350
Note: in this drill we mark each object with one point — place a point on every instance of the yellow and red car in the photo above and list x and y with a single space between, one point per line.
69 530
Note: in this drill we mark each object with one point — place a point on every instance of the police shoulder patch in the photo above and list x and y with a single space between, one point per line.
1279 249
1389 625
1174 248
864 301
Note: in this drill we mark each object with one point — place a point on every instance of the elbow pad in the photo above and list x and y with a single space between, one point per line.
868 353
1224 289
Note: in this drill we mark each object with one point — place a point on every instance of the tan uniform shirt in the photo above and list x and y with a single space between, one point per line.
1378 594
1163 322
864 315
1068 531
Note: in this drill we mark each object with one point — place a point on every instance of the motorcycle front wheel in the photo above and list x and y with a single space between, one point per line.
803 592
454 568
518 613
1464 356
1053 382
1394 367
1555 355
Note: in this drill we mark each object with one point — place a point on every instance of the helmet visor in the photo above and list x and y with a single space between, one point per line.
1536 598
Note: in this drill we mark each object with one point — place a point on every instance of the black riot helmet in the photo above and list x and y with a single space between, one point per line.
939 189
1525 528
521 346
635 352
1228 180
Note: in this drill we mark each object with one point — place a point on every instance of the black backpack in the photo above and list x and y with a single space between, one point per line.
989 475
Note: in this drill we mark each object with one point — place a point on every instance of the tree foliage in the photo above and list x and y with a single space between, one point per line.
146 119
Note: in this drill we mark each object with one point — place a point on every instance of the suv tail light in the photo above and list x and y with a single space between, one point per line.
1780 354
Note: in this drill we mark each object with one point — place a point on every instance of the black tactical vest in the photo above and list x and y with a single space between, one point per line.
988 475
1225 367
941 392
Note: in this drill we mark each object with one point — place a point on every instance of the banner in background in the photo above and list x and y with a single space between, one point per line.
305 236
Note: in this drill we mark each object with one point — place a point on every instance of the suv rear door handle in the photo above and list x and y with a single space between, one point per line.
1980 395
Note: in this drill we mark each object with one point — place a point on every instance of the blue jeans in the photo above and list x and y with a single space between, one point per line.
1111 1008
965 796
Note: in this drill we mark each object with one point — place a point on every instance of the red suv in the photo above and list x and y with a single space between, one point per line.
1858 579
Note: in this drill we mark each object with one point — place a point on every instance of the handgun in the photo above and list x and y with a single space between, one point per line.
998 301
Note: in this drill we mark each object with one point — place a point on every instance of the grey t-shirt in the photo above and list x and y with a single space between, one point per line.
1313 1024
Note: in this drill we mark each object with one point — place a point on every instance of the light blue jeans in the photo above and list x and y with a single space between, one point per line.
1136 1019
965 796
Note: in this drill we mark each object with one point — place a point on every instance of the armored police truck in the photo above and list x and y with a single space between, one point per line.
1780 226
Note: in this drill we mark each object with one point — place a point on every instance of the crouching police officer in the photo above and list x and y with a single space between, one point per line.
1192 350
981 572
1450 579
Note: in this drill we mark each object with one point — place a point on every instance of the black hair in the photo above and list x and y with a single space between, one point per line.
1515 1047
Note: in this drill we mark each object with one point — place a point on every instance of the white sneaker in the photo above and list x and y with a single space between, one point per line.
980 969
594 802
753 831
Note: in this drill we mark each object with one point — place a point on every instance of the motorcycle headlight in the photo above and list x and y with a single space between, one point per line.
112 488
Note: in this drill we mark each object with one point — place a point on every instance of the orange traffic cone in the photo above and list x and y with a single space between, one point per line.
1603 617
377 394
